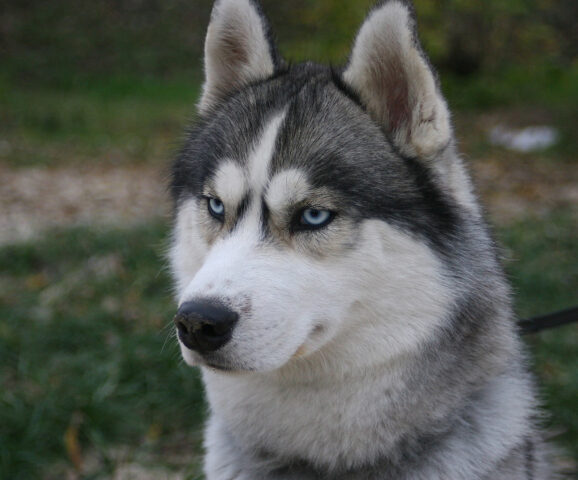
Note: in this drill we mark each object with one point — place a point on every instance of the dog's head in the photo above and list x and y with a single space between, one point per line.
313 204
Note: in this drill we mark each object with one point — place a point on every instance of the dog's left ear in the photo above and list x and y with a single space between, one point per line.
389 71
238 50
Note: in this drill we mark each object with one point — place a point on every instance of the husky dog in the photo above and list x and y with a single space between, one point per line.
336 281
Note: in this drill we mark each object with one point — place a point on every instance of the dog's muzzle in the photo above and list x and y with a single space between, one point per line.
205 325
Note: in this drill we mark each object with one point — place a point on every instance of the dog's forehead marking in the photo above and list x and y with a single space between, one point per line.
261 155
230 183
233 181
285 188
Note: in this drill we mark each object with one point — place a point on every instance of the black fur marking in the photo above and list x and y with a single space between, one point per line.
336 76
227 131
437 215
265 214
241 210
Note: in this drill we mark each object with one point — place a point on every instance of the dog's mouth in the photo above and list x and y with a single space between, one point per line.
221 363
220 368
300 352
227 360
304 349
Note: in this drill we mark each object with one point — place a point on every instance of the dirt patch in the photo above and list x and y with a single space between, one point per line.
36 199
513 187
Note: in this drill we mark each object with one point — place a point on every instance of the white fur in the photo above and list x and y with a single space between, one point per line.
288 187
287 305
236 50
278 414
260 157
230 184
287 314
189 247
294 329
502 416
389 322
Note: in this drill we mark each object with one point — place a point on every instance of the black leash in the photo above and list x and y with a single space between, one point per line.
550 320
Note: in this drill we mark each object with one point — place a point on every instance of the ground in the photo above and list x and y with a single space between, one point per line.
37 199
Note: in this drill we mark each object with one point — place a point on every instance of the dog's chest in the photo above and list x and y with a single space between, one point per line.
346 423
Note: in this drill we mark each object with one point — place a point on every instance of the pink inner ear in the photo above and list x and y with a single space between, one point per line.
395 89
232 46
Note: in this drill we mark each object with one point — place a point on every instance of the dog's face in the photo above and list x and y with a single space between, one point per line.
305 203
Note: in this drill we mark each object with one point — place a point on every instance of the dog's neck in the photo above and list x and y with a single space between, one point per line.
384 414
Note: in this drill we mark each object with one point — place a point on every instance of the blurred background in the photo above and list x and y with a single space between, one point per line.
94 97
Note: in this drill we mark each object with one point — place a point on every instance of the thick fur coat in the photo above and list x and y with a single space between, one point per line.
336 281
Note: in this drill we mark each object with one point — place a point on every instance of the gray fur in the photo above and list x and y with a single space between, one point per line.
460 404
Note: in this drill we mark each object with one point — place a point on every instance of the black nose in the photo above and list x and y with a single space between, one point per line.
205 325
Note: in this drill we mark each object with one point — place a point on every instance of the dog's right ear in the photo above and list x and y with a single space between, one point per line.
238 50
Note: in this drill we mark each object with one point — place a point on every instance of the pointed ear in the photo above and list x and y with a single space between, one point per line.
238 49
387 68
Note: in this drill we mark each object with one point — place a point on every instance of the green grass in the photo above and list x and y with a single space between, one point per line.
130 119
545 84
107 121
543 268
86 345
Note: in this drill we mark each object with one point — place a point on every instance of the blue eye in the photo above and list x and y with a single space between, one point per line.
315 218
216 208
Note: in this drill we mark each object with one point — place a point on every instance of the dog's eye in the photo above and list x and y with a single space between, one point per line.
216 208
315 218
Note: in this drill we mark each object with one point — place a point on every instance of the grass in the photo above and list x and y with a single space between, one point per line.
129 119
107 121
544 272
90 367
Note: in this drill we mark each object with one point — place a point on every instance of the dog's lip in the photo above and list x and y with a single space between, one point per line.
215 366
301 351
223 367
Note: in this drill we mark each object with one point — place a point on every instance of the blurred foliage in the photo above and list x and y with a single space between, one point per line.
64 41
465 36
